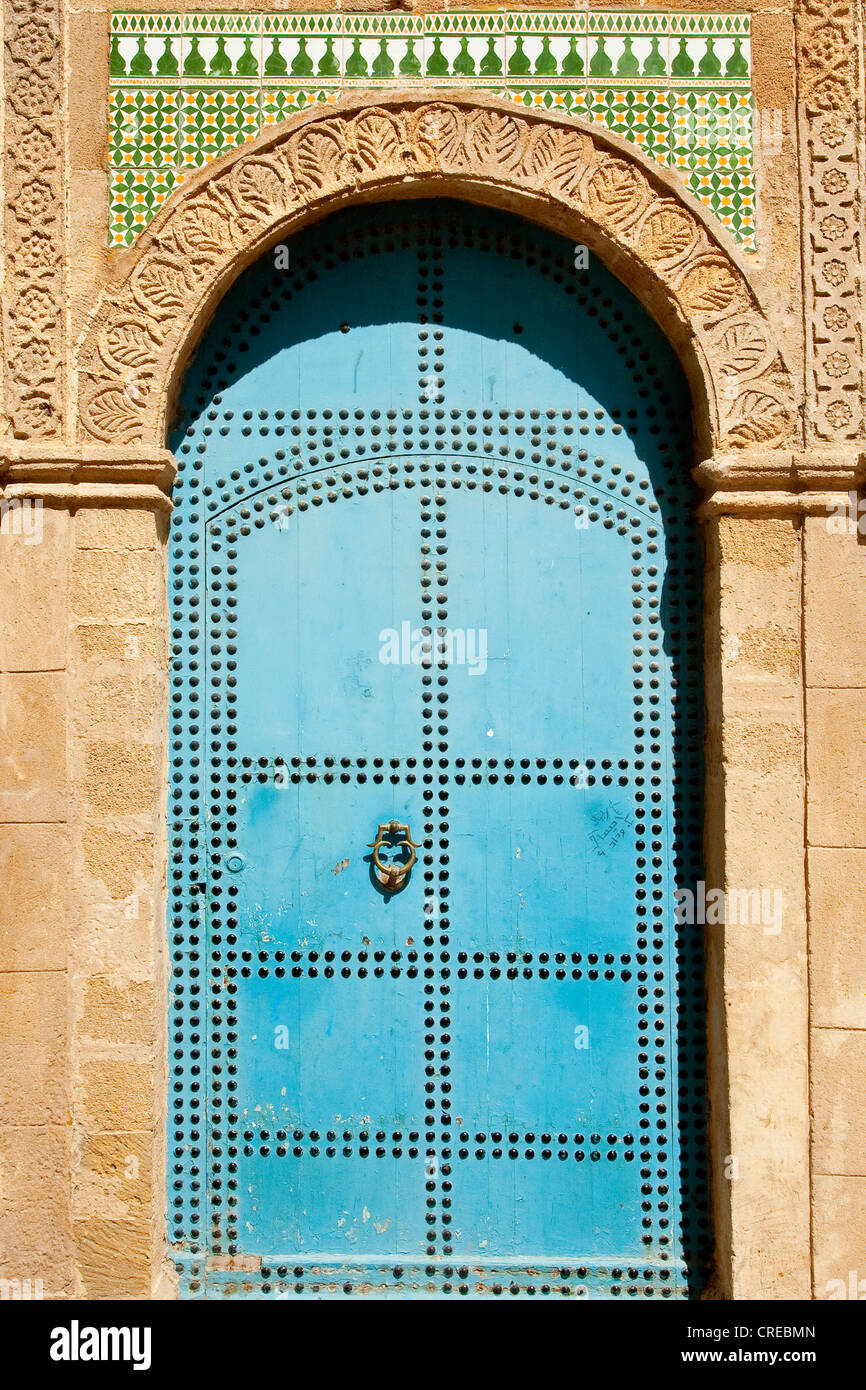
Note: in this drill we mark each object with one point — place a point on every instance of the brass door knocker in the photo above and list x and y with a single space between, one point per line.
392 876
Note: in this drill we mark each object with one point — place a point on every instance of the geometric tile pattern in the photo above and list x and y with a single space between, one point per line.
185 88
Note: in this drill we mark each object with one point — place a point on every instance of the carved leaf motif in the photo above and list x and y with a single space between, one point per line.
111 416
316 157
128 344
758 418
556 156
541 150
261 188
615 192
742 347
709 285
162 284
495 139
570 159
375 140
203 231
439 129
667 234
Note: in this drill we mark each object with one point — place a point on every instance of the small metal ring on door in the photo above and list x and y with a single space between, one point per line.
393 876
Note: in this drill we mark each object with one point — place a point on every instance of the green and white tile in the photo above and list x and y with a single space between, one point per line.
544 56
278 103
222 57
391 25
382 58
685 22
307 23
213 120
146 24
143 127
302 57
146 55
225 22
136 197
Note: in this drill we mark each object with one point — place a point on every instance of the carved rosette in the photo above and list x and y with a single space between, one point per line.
33 219
256 197
829 56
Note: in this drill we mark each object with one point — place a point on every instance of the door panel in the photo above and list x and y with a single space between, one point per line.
551 636
433 424
542 876
298 611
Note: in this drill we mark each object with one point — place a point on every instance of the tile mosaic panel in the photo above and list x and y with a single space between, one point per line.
185 88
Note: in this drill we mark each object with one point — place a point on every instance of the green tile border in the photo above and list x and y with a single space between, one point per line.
184 88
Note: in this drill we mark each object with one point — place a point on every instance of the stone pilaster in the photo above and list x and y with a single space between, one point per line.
757 503
82 960
35 1135
835 660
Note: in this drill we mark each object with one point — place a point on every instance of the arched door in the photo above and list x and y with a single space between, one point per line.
434 564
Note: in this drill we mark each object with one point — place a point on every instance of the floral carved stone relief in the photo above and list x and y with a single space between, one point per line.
829 52
33 219
252 198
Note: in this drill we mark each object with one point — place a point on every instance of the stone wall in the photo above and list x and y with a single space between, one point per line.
81 790
834 588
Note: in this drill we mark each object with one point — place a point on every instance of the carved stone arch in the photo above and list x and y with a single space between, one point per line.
557 171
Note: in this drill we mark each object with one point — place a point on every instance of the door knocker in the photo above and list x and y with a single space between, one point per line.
392 876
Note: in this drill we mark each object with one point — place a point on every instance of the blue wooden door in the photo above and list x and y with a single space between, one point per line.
434 563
